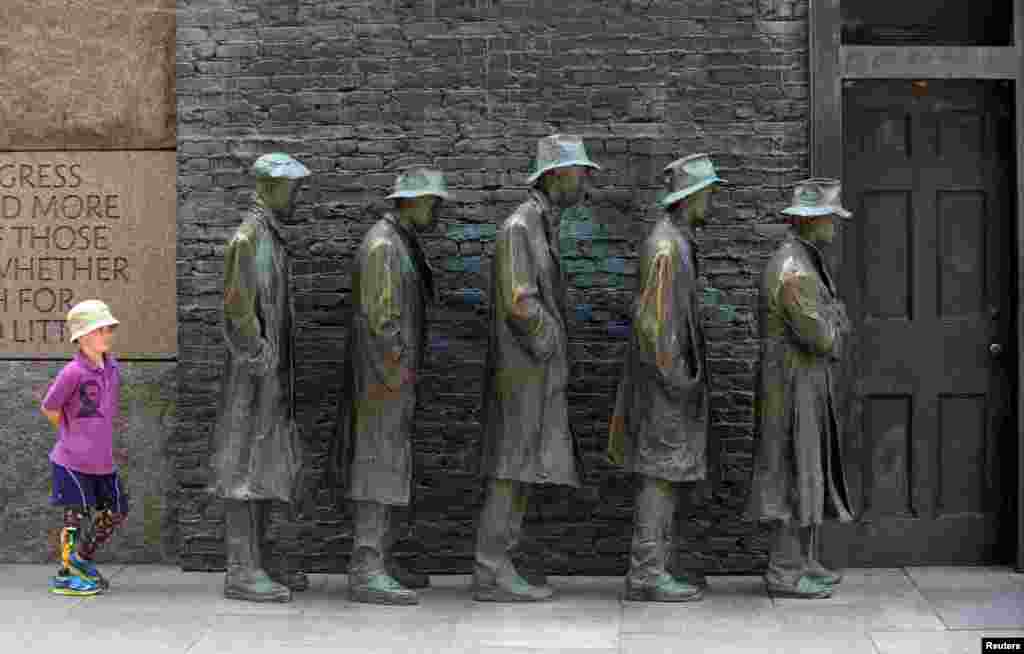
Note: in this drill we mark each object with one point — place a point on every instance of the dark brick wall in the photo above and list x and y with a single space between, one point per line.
355 89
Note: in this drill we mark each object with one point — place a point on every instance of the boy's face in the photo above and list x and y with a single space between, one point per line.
98 341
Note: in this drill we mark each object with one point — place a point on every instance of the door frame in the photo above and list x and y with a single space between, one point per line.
831 63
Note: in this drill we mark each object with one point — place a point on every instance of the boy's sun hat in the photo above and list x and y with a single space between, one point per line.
87 316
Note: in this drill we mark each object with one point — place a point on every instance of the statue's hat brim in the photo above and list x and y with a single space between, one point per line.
681 194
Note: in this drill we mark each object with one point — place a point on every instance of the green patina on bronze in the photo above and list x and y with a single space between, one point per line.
526 437
257 453
798 479
660 426
370 461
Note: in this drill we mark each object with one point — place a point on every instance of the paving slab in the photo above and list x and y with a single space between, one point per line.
944 579
345 633
979 609
752 642
814 615
866 600
977 597
538 626
162 609
585 614
90 630
935 642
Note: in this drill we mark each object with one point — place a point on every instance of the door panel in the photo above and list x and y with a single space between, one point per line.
926 276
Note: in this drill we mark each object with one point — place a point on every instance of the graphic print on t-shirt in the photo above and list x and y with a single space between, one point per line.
89 398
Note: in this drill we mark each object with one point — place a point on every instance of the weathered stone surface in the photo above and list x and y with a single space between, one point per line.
81 225
148 401
355 90
96 74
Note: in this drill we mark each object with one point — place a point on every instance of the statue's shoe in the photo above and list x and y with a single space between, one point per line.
535 578
694 578
297 580
664 589
380 588
255 586
806 587
407 577
823 574
510 588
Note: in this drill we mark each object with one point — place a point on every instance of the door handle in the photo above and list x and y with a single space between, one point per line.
995 349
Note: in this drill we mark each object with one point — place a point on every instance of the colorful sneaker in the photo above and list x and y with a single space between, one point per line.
73 585
87 570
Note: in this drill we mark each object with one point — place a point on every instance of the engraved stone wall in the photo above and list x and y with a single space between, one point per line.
87 209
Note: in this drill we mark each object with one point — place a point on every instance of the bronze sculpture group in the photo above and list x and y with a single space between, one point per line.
659 427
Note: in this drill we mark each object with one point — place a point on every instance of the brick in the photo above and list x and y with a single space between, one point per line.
355 93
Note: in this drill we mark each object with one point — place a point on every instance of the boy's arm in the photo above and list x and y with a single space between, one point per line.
58 395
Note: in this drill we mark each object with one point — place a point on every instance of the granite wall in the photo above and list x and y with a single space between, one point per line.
87 76
355 89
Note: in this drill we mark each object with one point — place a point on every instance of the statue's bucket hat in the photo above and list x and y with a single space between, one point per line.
560 151
686 176
278 165
417 181
818 196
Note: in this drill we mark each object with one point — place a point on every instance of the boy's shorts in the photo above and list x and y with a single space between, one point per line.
101 492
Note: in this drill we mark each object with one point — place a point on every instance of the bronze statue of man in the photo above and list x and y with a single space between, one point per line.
798 478
392 285
659 430
526 433
257 455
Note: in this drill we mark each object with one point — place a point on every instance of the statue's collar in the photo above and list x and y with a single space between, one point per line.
814 249
540 198
267 217
405 231
683 226
549 214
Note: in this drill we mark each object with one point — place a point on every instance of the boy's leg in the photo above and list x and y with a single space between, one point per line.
70 536
105 523
111 511
68 580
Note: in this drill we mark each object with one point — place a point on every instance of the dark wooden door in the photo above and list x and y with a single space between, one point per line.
926 273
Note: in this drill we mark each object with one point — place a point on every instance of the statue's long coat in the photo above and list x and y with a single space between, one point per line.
526 433
257 454
798 469
660 425
391 286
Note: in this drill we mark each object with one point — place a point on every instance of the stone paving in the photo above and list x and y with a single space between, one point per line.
154 609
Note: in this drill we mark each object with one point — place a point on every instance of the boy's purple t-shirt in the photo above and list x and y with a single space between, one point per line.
88 399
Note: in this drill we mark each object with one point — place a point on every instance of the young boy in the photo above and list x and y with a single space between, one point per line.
82 404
